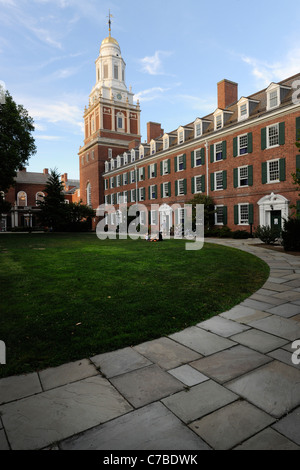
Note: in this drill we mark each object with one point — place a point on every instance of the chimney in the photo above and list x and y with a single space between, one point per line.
154 131
45 171
133 144
64 177
227 93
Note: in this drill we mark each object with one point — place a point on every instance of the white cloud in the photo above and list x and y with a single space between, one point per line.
265 73
150 94
48 137
153 64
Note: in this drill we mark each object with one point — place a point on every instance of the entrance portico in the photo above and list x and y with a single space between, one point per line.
273 210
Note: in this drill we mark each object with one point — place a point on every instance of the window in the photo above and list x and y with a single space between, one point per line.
243 111
116 72
152 170
181 187
152 148
218 152
273 171
120 121
165 167
180 136
198 129
153 217
219 217
166 190
39 197
152 192
133 155
219 180
88 195
198 184
243 214
218 122
124 194
243 176
166 142
125 178
22 198
133 194
141 174
105 71
112 182
141 194
198 157
243 144
118 181
180 163
105 184
109 153
273 100
273 135
132 176
87 157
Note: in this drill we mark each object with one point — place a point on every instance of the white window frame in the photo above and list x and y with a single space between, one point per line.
152 191
268 135
269 162
166 190
111 182
197 157
197 128
215 151
179 157
219 122
196 179
141 195
152 170
216 215
180 189
271 92
118 181
240 177
89 194
133 155
215 177
133 195
125 178
240 212
153 217
165 166
120 116
152 147
106 184
180 136
132 176
242 117
239 145
165 142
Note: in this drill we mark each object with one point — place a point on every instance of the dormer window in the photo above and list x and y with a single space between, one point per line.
198 128
132 155
243 111
166 142
218 122
153 147
180 136
273 98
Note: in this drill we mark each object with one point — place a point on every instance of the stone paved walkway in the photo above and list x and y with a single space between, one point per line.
227 383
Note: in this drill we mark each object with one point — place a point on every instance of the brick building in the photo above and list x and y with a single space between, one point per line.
23 196
242 154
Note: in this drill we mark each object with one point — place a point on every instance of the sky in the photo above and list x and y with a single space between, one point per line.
175 52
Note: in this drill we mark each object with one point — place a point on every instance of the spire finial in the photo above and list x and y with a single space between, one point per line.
109 22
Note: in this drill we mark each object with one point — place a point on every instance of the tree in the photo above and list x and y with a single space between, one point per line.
209 209
16 142
53 208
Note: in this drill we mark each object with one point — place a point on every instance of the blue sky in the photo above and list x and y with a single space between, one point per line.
175 53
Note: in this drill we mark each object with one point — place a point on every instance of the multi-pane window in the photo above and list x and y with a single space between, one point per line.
218 151
198 130
124 194
166 190
132 176
198 184
273 99
180 137
141 194
118 181
166 143
198 160
219 180
120 122
181 187
165 167
243 111
243 144
243 176
219 215
152 170
273 170
218 122
180 162
152 192
105 184
112 182
273 135
244 213
133 194
125 180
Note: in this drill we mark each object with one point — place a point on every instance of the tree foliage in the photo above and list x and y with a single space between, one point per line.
209 209
16 142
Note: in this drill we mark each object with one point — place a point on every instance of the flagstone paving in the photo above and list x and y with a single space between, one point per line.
231 382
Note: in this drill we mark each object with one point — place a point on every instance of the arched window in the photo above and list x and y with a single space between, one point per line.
39 197
88 194
22 199
120 121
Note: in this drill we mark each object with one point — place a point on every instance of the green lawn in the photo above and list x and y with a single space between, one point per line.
70 296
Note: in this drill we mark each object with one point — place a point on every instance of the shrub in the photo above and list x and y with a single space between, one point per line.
240 234
266 234
291 235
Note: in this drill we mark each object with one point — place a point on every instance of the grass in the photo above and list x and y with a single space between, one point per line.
70 296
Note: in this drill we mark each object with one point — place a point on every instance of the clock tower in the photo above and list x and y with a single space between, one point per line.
111 121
